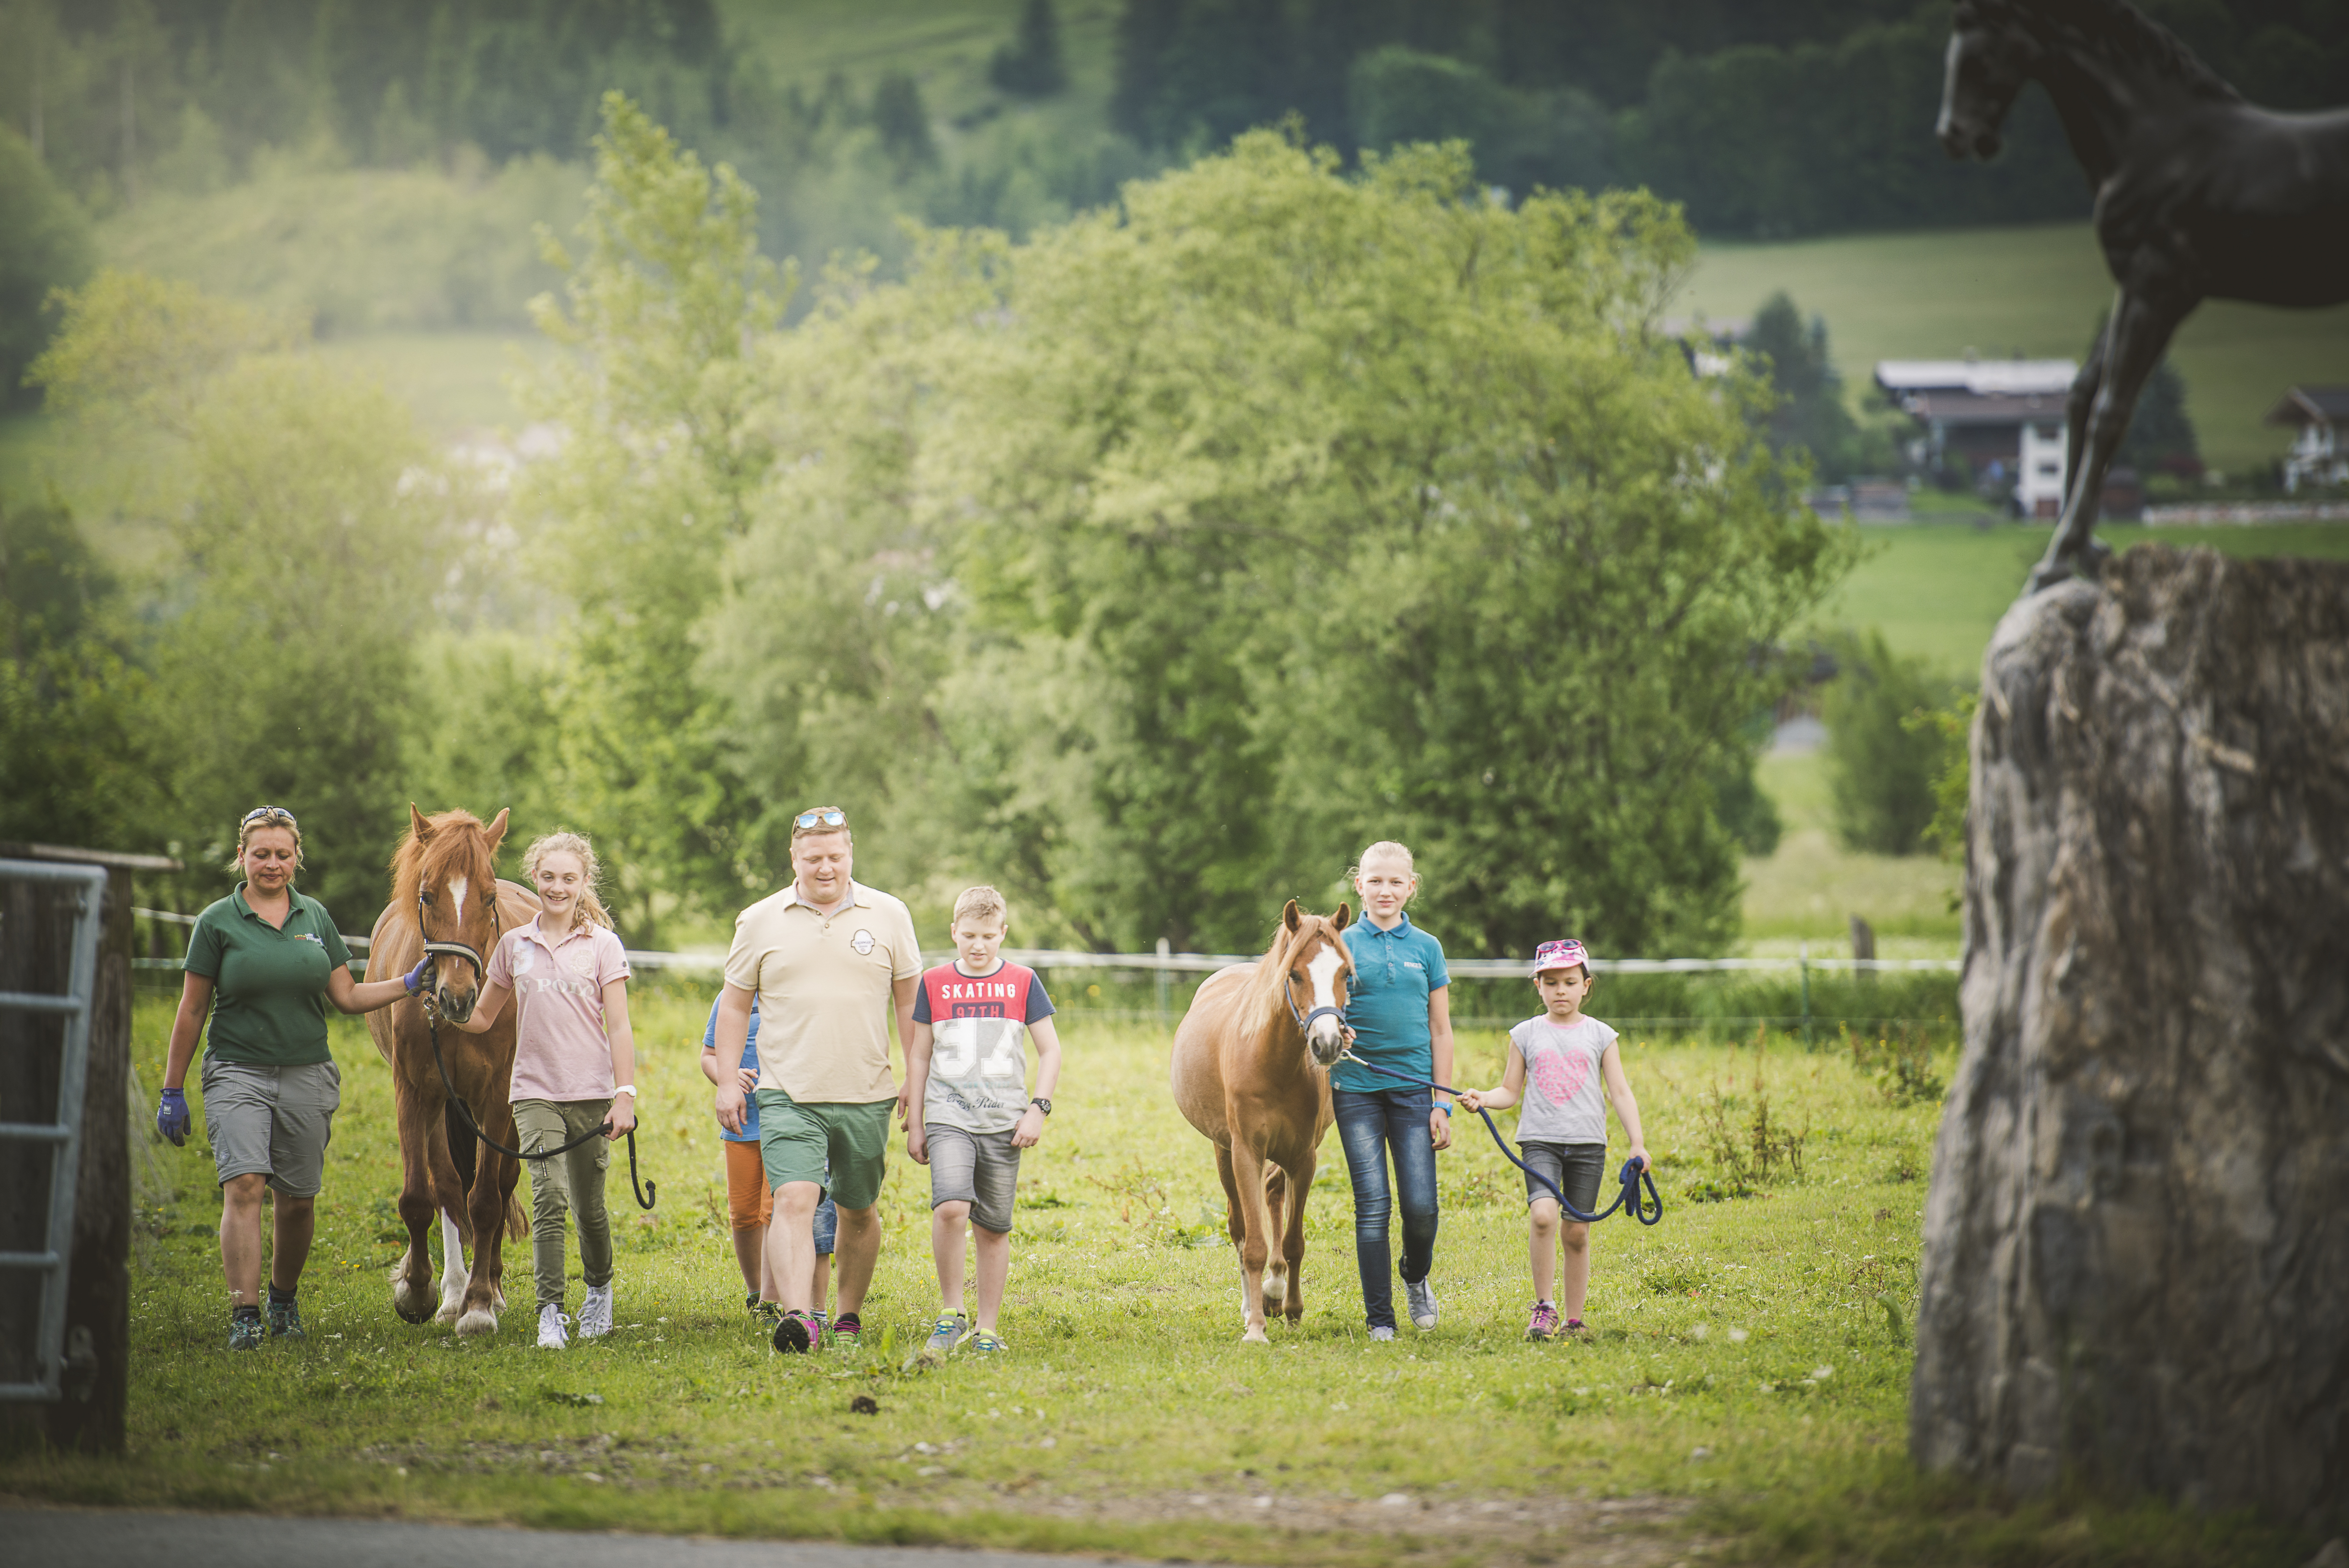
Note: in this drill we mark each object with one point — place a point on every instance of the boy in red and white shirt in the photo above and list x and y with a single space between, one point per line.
969 1110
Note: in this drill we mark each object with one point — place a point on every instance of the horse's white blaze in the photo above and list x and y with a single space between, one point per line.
456 898
1321 973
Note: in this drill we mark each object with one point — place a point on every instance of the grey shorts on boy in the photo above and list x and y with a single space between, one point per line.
981 1170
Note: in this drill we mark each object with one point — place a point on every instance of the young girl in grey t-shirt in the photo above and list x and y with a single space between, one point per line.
1556 1063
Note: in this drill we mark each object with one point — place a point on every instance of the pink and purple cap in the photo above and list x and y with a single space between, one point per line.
1561 955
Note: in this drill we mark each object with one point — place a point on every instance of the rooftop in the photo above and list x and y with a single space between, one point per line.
1984 378
2311 405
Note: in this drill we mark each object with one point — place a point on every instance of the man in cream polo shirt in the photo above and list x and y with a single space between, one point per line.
828 959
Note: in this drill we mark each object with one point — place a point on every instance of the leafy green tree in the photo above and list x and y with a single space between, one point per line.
902 120
1032 65
669 432
1883 767
1811 415
45 244
307 522
1364 508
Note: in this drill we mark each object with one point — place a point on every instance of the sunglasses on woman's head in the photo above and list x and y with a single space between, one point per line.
271 814
820 819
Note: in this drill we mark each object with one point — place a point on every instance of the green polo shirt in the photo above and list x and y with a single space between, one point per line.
269 983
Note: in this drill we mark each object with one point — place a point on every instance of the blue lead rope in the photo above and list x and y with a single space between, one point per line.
1649 1211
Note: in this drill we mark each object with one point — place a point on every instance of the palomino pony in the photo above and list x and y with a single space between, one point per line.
1252 1072
2199 196
445 891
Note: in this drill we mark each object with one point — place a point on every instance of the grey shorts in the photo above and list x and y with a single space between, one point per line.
981 1170
1577 1168
272 1121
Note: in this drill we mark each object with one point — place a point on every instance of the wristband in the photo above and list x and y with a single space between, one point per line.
1041 1104
627 1089
1443 1105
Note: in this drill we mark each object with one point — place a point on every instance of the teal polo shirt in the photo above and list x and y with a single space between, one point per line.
269 983
1394 974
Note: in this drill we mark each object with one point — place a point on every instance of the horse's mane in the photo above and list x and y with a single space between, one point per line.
1263 987
2116 31
417 859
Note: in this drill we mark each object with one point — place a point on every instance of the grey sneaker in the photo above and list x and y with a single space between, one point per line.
950 1330
1380 1333
1421 1298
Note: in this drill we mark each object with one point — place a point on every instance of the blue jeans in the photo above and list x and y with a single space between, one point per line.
1370 1125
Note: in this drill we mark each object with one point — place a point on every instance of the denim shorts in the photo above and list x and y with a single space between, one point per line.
1576 1167
981 1170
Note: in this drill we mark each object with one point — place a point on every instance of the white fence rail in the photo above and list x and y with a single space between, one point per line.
1172 964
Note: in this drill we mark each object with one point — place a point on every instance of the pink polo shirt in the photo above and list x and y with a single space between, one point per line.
560 1051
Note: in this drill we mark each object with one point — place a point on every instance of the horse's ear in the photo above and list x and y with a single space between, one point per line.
1289 917
496 832
417 825
1343 918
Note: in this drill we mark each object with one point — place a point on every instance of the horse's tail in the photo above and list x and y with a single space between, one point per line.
517 1219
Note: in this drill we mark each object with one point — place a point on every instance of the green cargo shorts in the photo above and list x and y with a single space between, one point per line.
795 1141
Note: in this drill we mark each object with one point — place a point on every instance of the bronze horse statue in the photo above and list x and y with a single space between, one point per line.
2199 195
447 901
1251 1072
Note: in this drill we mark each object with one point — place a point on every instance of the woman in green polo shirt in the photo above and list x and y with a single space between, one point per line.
263 963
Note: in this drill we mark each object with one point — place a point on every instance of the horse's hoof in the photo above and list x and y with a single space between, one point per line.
481 1320
1275 1290
1255 1335
412 1305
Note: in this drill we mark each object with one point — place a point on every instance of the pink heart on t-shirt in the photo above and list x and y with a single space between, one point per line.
1559 1078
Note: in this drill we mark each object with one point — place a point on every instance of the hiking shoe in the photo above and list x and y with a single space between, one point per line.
286 1321
847 1326
596 1313
1545 1322
1574 1329
551 1334
796 1333
823 1322
986 1345
1420 1299
244 1333
768 1312
1380 1333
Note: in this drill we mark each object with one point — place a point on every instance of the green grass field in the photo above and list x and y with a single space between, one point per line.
1745 1385
2033 290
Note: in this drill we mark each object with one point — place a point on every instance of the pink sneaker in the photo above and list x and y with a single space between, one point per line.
1545 1322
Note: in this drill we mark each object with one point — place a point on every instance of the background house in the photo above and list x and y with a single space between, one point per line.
2318 454
2005 418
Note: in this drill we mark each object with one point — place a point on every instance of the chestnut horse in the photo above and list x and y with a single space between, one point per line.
1251 1071
445 891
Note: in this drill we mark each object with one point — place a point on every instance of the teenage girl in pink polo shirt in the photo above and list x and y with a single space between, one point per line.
575 1069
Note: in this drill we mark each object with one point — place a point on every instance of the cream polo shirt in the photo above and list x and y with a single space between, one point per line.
825 984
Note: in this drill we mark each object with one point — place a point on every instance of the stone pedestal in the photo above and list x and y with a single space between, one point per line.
2137 1243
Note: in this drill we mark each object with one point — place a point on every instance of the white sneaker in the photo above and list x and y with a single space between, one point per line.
596 1313
551 1333
1421 1300
1380 1334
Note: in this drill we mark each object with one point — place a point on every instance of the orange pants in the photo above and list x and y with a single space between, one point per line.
748 1202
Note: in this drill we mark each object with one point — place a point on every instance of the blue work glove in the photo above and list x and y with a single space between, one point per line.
171 1117
414 979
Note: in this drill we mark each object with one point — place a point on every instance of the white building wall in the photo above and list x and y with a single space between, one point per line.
2039 486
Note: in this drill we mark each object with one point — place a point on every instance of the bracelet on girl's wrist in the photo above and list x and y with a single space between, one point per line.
627 1089
1443 1105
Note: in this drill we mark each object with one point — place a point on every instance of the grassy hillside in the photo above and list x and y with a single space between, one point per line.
2034 291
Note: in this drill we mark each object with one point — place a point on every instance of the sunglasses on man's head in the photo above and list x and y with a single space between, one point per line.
267 814
820 819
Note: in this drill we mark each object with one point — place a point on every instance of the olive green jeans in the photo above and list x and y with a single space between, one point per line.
569 1183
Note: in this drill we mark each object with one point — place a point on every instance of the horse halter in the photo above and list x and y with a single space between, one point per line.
1304 1019
459 950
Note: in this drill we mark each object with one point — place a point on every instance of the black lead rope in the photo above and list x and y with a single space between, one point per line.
1649 1211
646 1192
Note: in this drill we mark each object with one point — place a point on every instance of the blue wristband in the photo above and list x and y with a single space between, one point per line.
1443 1105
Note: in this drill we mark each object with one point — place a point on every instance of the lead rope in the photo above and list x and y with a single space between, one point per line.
1649 1211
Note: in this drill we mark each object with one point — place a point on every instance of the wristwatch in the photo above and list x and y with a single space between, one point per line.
1041 1104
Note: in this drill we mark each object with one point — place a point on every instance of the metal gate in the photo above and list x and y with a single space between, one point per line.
63 1134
